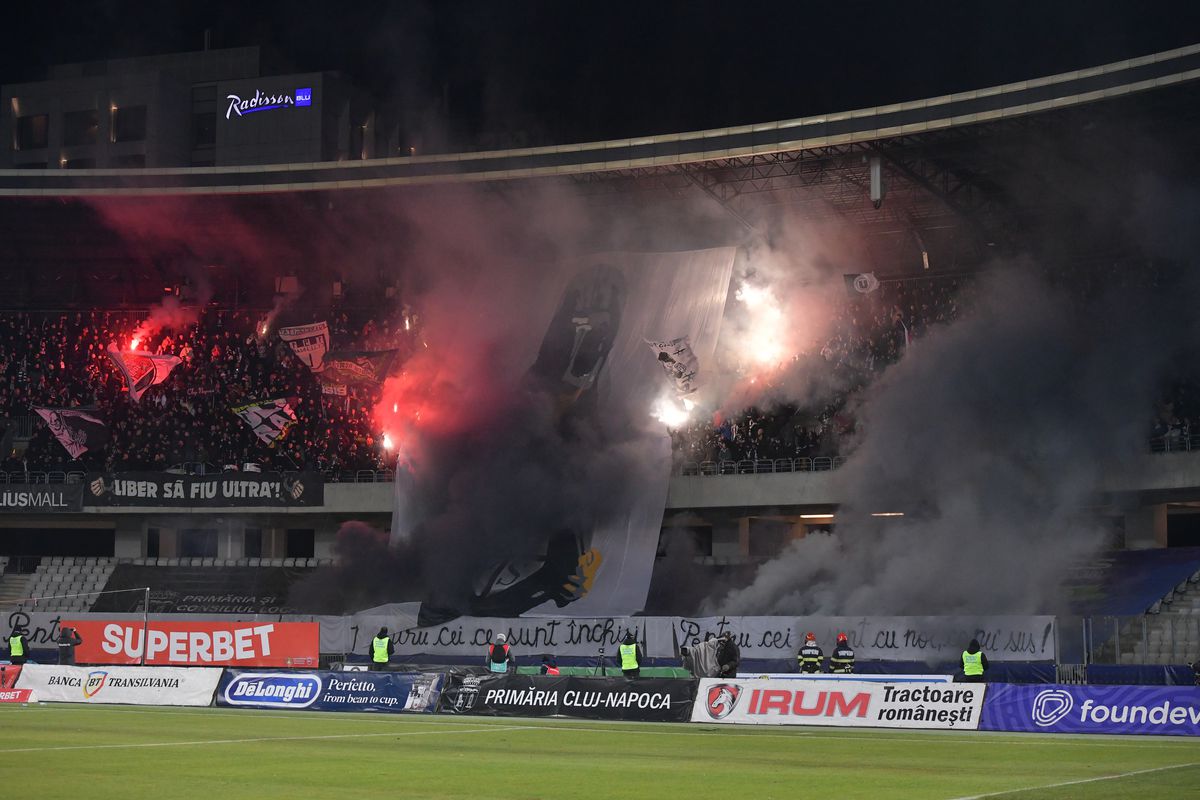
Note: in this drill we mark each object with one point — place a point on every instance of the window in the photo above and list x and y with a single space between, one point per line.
252 543
130 160
31 165
204 94
300 543
129 124
32 132
204 129
152 543
197 543
79 163
80 127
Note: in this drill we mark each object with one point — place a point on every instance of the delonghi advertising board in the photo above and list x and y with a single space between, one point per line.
849 703
331 691
143 686
1161 710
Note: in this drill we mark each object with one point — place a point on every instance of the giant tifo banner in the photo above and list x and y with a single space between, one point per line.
1163 710
144 686
645 699
41 499
846 703
161 489
331 691
229 644
593 364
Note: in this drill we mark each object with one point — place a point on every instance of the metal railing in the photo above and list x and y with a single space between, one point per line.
36 477
760 466
1175 444
1144 639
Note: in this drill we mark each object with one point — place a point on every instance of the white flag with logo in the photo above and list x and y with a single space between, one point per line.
310 343
679 362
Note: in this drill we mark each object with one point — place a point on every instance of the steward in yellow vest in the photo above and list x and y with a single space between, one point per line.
631 656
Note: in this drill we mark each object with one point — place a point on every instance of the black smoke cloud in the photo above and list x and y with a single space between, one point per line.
990 437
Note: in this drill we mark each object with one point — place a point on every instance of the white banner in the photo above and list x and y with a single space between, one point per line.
929 639
142 686
856 704
933 640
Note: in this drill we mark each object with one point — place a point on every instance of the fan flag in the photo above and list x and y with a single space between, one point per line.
77 429
355 368
680 363
141 370
269 419
861 283
308 342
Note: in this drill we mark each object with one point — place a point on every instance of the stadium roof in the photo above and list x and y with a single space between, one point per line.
860 126
997 171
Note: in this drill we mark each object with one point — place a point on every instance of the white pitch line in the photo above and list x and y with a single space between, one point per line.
1080 781
198 742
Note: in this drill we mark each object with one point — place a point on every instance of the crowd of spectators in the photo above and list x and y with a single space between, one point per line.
869 332
59 360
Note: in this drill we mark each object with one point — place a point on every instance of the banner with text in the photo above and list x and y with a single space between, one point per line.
205 491
1159 710
644 699
142 686
18 498
332 691
931 639
846 703
233 644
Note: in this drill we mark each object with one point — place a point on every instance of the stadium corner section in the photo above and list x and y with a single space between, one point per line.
850 702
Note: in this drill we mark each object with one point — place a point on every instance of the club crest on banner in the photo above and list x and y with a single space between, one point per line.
723 699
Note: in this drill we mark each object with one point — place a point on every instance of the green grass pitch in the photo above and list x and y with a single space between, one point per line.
99 752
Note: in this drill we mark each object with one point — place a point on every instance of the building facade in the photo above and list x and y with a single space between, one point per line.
207 108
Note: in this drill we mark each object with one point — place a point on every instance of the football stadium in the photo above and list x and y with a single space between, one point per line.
345 452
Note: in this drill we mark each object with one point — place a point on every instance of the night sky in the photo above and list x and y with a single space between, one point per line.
570 71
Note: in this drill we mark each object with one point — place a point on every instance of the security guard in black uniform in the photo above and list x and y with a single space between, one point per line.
811 655
841 660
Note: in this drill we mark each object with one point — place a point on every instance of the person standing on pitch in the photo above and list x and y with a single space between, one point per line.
68 640
381 650
631 656
811 655
18 646
499 655
974 663
841 660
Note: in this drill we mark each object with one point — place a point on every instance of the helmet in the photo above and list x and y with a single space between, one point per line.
841 637
501 638
810 636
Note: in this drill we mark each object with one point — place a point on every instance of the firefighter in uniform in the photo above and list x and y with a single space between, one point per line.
381 650
811 655
631 656
841 660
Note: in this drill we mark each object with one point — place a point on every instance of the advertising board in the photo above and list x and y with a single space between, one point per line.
643 699
230 644
848 703
331 691
1161 710
143 686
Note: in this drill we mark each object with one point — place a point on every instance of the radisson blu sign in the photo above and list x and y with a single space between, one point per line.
265 101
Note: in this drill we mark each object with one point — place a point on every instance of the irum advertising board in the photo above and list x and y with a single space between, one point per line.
848 703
